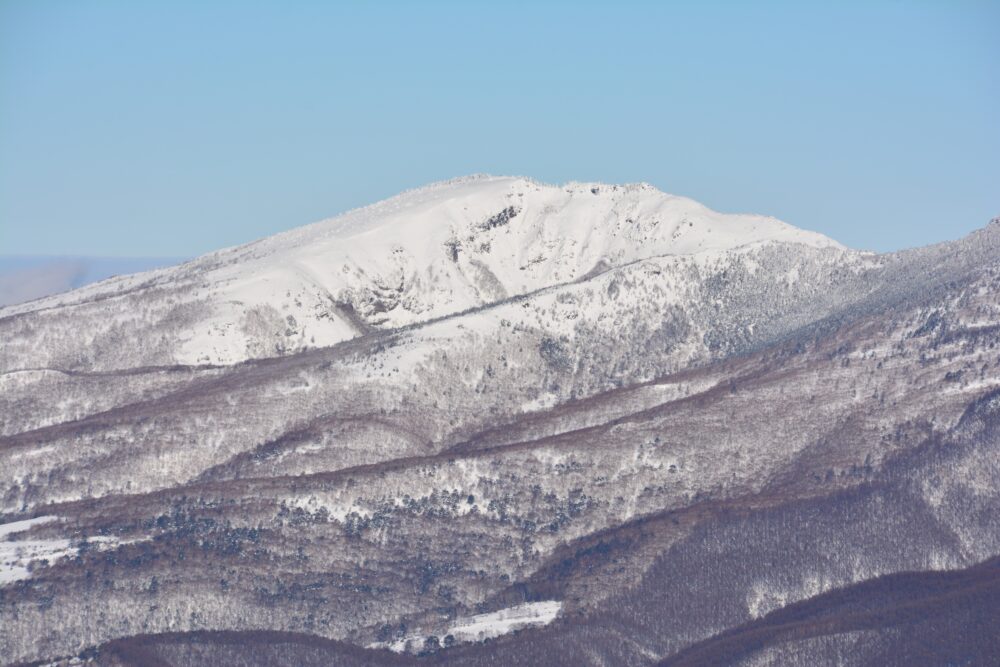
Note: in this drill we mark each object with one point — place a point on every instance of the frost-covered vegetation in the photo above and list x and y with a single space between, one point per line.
619 437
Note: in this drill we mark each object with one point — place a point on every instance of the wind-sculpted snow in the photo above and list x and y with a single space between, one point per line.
657 442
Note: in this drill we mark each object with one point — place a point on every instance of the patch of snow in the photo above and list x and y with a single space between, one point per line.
16 556
20 526
482 626
494 624
30 454
543 402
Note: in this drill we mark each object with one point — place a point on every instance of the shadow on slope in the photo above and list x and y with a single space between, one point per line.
922 618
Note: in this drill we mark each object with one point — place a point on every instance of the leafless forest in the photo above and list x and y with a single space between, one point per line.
776 453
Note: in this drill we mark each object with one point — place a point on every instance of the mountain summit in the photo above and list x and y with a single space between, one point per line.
424 254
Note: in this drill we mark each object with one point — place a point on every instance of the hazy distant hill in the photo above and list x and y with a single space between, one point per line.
27 278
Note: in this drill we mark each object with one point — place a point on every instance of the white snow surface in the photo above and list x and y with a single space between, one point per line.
20 526
430 252
483 626
15 555
494 624
18 555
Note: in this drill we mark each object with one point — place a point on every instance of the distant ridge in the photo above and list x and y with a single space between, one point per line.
25 278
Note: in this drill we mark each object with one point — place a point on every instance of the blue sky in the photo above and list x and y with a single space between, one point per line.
172 129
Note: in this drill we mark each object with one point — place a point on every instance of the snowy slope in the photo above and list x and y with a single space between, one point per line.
438 250
599 424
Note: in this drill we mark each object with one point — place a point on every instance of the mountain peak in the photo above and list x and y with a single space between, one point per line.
434 251
464 201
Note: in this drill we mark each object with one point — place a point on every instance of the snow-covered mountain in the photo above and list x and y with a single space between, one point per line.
425 254
592 424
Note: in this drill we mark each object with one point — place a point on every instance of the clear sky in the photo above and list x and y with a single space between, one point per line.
174 128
